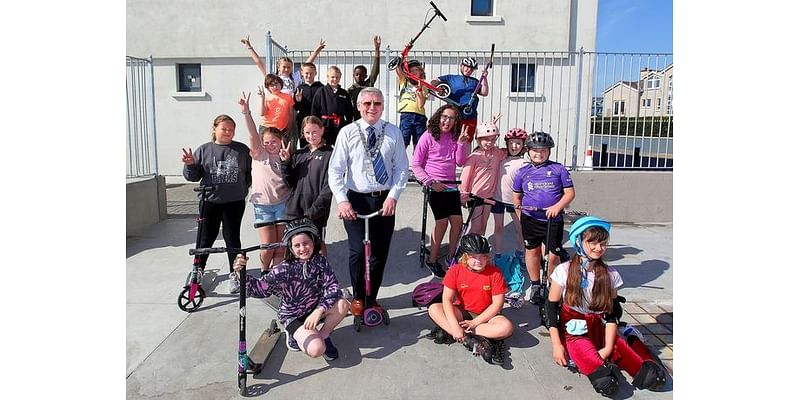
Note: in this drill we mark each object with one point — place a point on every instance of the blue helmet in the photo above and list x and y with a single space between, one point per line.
581 225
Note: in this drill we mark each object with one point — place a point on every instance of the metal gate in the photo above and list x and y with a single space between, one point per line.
141 133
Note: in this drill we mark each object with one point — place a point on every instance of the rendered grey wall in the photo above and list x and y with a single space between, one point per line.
624 196
145 203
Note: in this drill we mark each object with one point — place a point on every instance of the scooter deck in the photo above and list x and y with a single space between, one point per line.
264 346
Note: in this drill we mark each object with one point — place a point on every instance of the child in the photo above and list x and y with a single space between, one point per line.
306 174
308 290
480 173
515 146
472 300
269 192
587 289
361 80
276 106
303 97
541 184
226 164
411 105
435 159
332 105
461 88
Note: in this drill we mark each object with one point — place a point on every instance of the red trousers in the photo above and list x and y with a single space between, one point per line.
583 349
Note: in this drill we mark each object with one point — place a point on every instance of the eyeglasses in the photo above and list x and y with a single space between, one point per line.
371 103
447 118
276 84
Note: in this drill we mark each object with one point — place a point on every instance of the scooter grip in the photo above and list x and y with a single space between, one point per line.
438 12
209 250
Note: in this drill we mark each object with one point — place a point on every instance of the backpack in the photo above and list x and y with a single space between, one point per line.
509 264
426 294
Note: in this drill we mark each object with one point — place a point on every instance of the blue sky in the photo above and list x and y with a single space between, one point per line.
643 26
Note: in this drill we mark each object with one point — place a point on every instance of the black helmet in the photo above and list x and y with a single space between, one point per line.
302 225
470 62
539 140
476 244
414 63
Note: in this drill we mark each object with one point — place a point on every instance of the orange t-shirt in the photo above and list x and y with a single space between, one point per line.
279 110
474 290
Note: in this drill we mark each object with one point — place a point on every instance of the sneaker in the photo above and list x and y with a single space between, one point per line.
436 269
536 295
479 346
331 353
440 336
347 295
498 352
291 344
233 281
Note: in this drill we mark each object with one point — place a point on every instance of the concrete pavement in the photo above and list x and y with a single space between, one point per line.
175 355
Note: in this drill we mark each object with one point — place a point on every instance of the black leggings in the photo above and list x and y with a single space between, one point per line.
230 215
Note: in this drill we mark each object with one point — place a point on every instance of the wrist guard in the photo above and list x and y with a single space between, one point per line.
551 309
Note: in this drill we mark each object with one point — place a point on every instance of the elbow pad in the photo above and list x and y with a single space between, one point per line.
551 309
616 312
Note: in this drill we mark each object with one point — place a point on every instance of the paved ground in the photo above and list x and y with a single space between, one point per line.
175 355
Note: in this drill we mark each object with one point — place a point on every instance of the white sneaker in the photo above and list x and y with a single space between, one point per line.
347 295
233 281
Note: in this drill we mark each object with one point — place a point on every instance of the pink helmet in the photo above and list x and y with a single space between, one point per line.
517 133
486 129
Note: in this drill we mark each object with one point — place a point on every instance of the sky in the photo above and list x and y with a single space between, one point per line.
643 26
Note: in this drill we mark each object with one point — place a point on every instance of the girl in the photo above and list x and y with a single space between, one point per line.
515 146
435 159
480 172
308 290
276 107
332 105
306 174
586 318
226 164
472 299
269 192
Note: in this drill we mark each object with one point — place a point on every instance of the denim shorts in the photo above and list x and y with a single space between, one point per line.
269 213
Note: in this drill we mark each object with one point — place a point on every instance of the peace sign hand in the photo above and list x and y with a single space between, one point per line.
260 91
298 95
244 102
464 137
188 158
285 151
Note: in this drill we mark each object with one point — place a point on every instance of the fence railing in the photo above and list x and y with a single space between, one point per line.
141 133
618 105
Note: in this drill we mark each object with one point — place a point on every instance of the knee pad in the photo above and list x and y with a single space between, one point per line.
651 376
605 379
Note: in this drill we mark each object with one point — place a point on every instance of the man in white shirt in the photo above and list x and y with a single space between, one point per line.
367 172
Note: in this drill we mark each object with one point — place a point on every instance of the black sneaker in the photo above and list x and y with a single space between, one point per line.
537 297
331 353
479 346
436 269
498 351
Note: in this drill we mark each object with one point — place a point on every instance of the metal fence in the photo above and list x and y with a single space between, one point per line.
604 110
141 133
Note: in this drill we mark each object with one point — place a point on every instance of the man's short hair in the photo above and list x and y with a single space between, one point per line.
369 90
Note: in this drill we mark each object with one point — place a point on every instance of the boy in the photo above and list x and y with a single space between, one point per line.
305 94
411 105
360 79
461 89
332 105
541 184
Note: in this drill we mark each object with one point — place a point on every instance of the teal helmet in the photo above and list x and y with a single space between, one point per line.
581 225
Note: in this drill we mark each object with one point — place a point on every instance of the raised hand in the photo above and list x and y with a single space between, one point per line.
298 95
377 42
464 137
321 44
244 102
260 91
246 42
496 117
285 151
188 158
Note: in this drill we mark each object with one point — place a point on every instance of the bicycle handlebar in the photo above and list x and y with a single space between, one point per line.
210 250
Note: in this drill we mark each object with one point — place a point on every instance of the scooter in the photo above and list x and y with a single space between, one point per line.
472 204
192 295
441 90
254 363
372 316
467 108
426 191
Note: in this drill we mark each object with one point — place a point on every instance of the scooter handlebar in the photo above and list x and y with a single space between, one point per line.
210 250
438 12
368 216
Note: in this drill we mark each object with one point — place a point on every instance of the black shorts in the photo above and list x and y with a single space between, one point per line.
500 208
293 326
534 231
445 204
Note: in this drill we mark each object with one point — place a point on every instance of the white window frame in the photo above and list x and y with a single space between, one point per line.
528 68
646 103
653 83
619 107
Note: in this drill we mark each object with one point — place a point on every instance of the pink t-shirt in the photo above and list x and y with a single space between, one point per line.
437 160
481 171
505 184
268 186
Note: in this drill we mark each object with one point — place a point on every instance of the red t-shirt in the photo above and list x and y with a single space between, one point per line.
474 290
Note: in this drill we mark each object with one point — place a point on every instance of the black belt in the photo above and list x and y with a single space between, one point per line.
370 194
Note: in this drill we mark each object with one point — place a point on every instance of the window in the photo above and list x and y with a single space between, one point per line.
619 107
646 103
523 77
654 83
482 8
189 77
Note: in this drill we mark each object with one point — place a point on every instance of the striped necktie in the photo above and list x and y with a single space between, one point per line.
377 162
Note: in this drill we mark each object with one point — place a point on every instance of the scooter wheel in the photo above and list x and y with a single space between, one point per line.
394 63
242 384
467 109
385 317
372 317
191 305
444 90
357 324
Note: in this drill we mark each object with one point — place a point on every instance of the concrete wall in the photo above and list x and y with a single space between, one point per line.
145 203
624 196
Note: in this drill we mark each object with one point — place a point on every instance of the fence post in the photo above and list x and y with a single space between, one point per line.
386 84
577 111
153 115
